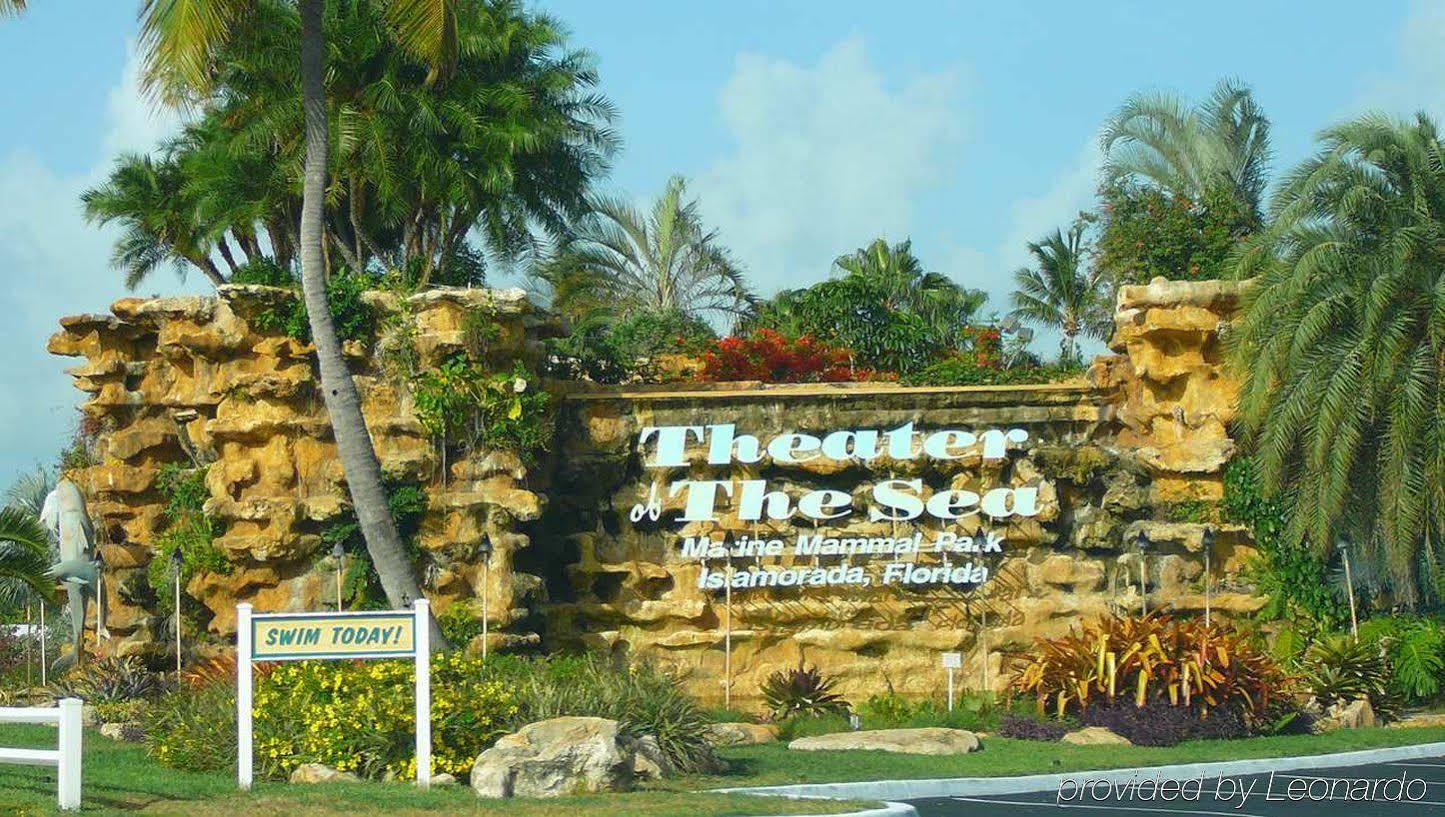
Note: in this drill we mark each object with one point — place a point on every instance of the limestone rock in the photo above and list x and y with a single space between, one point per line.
443 779
930 740
321 773
1357 714
123 732
737 734
648 760
1095 736
556 757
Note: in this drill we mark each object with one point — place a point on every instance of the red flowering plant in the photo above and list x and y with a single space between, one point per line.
773 357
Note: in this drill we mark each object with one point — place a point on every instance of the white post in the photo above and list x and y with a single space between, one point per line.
423 694
728 637
950 689
69 765
243 696
178 625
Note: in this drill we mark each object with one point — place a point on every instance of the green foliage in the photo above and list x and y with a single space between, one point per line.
1195 511
1293 578
353 317
189 531
108 680
1146 233
1416 650
361 586
460 622
971 710
462 401
194 729
643 697
1340 669
1341 349
882 305
802 691
964 370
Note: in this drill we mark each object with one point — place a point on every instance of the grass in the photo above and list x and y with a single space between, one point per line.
120 779
773 764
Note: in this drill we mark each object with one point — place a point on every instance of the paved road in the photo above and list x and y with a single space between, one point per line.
1414 788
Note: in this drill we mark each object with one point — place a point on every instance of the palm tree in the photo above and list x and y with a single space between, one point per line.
8 7
180 39
24 558
1061 293
1342 345
1157 138
944 305
159 222
621 258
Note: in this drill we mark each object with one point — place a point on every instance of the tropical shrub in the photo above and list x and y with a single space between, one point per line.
194 728
1340 669
1147 233
461 400
188 530
964 370
353 316
802 691
1294 578
1029 727
643 697
771 357
1154 659
1415 648
1162 724
109 679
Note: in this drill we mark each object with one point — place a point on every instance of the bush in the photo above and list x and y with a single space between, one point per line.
771 357
893 711
108 680
645 699
1340 669
1025 727
1147 232
957 370
1179 663
354 318
194 728
462 401
803 691
1415 648
1160 724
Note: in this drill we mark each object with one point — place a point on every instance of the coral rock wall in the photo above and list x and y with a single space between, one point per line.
1139 447
192 380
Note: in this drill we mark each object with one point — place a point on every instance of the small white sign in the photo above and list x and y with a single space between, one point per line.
953 660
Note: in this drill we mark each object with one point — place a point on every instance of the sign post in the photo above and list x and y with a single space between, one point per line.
951 662
332 636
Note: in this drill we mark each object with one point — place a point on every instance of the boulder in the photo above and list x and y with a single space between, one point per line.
557 757
1095 736
1357 714
741 734
443 779
649 761
123 732
931 740
321 773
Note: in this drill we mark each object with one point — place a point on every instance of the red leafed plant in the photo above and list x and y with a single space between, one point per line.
772 357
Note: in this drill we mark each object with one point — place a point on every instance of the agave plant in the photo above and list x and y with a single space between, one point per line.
802 691
109 680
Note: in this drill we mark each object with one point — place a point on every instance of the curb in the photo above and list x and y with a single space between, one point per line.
890 790
888 809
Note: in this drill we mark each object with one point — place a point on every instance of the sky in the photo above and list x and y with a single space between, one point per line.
806 128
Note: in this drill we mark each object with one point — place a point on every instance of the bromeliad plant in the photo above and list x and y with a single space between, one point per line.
1151 660
802 691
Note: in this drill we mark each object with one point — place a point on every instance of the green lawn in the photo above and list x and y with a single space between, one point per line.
773 764
121 780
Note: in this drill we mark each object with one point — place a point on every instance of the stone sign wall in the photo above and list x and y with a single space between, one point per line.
1139 445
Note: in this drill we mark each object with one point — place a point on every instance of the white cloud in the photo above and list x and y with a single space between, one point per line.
825 158
55 265
1415 81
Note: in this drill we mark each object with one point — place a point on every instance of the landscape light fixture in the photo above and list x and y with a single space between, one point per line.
1206 541
338 556
1142 542
177 562
484 552
1344 547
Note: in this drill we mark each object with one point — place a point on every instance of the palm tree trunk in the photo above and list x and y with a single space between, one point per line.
353 442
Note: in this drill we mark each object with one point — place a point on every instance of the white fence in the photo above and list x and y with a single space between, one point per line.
66 758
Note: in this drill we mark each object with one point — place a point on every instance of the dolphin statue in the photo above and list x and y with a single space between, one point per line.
80 569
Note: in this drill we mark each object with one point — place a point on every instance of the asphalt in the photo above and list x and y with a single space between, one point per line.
1414 787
